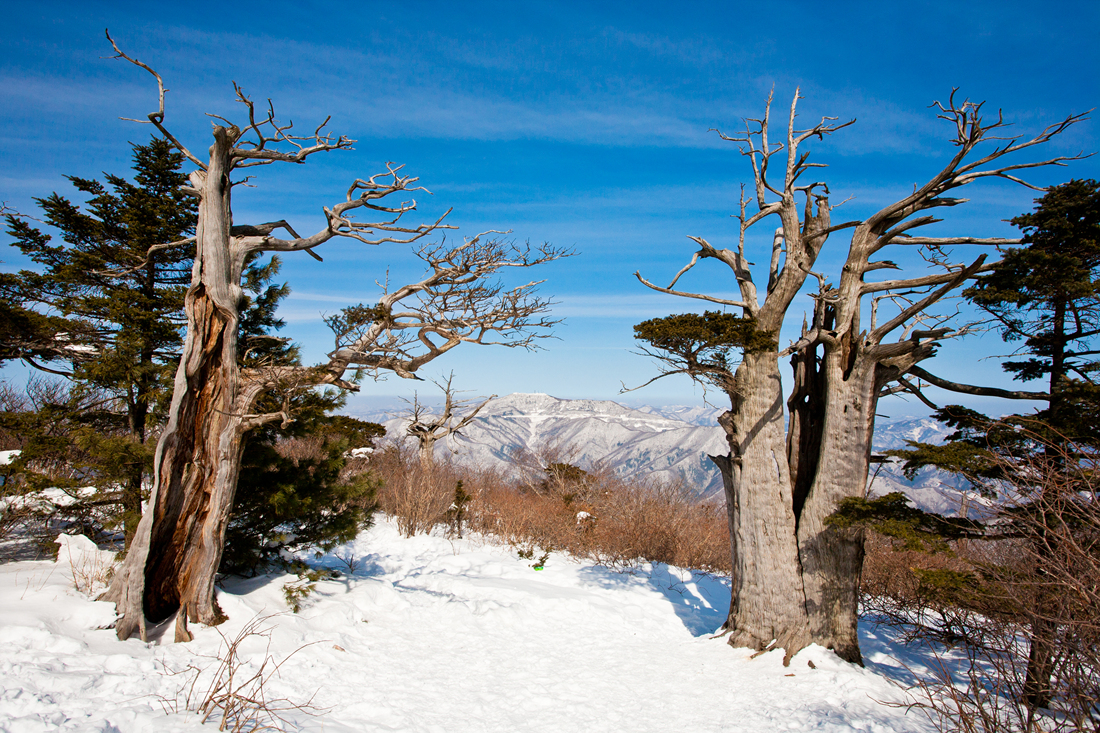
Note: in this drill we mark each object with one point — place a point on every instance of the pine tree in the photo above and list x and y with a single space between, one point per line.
1044 295
291 499
114 311
1047 294
284 501
118 301
26 334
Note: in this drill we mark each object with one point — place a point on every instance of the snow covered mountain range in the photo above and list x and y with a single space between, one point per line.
668 442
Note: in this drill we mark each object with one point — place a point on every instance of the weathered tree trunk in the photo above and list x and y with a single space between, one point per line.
768 604
176 551
1037 687
796 579
177 547
832 558
426 451
806 408
131 504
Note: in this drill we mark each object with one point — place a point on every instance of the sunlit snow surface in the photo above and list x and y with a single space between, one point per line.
430 634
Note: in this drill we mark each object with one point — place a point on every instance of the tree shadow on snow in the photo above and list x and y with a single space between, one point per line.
699 600
889 652
365 566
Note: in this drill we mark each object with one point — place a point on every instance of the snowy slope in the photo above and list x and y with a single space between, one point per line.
436 635
693 414
931 489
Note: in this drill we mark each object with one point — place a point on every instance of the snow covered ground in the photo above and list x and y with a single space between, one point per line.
434 635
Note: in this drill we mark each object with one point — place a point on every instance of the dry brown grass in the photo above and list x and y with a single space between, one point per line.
312 447
597 516
894 593
232 689
891 572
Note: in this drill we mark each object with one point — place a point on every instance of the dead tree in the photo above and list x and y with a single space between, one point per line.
795 578
428 428
171 565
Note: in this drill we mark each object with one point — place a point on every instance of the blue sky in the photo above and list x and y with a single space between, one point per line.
586 127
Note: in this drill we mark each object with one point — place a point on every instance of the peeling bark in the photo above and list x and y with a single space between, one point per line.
177 548
832 558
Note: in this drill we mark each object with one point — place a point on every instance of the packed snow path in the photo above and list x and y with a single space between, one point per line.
435 635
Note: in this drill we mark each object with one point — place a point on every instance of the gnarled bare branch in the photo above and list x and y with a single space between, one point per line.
697 296
362 194
456 302
918 282
428 428
155 118
1010 394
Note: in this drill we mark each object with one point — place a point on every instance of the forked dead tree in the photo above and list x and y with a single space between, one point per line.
171 565
795 578
429 428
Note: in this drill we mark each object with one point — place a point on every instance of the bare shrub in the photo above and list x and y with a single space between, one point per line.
984 692
68 474
980 700
549 503
302 448
615 522
549 468
1031 587
1052 586
12 402
90 568
896 590
658 522
232 690
17 510
418 495
522 518
311 448
348 560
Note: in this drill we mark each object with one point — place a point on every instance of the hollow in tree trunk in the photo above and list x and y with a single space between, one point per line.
176 550
174 558
796 578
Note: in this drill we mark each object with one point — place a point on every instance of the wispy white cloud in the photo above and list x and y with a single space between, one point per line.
301 307
427 84
639 306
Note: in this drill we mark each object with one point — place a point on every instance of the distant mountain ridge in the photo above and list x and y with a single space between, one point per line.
668 442
586 433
